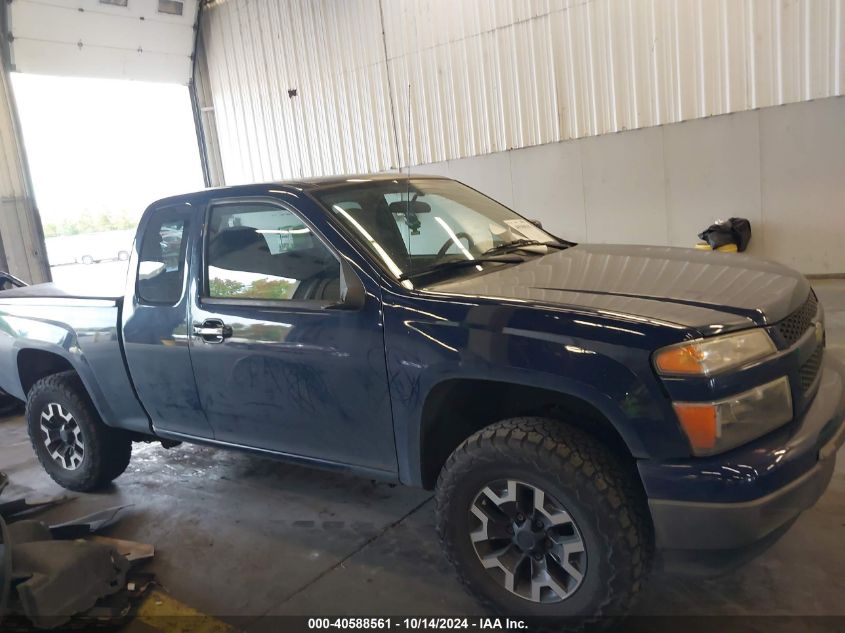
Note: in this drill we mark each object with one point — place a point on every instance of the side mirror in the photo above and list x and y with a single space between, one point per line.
352 293
150 270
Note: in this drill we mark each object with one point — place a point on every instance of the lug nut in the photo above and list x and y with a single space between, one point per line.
538 556
520 518
510 529
538 525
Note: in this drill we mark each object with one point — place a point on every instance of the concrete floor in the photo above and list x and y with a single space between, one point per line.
246 538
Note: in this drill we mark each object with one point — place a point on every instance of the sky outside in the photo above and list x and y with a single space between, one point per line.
105 146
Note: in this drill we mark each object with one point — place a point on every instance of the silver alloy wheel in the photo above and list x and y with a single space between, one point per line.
527 541
62 436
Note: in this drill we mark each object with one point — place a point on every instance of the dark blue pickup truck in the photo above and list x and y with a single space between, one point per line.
580 410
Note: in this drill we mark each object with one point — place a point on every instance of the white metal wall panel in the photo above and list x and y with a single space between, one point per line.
492 75
340 119
91 39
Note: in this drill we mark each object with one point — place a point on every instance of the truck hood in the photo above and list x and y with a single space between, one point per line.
706 290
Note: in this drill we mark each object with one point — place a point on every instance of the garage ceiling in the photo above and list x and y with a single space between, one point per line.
147 40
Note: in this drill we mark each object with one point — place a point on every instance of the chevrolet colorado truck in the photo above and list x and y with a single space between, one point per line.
582 411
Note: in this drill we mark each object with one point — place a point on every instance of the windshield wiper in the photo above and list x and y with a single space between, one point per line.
515 245
462 263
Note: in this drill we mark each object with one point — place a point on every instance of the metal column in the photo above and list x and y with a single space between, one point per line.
22 249
203 107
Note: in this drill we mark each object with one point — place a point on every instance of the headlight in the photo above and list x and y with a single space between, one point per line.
709 356
714 427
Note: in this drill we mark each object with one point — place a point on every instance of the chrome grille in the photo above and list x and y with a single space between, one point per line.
793 327
810 369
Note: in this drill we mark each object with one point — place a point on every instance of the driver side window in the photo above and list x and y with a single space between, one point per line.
265 252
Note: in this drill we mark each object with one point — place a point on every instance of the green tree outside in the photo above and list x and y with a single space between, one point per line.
90 223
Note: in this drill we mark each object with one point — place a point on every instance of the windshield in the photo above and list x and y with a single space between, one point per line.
419 225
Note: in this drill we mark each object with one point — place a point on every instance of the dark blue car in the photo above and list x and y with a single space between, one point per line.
582 411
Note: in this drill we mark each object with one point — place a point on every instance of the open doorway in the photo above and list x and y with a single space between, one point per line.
99 151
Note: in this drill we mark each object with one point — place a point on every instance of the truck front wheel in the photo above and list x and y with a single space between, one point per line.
73 445
541 520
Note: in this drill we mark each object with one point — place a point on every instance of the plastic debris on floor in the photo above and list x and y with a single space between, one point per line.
66 575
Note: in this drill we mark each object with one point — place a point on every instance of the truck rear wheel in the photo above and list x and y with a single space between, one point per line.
73 445
541 520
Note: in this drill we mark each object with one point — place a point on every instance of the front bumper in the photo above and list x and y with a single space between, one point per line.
730 507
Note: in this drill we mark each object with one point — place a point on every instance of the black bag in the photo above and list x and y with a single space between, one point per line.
732 231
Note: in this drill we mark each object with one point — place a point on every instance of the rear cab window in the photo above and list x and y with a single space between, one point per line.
161 261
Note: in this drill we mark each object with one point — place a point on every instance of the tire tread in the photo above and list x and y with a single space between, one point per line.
580 456
110 449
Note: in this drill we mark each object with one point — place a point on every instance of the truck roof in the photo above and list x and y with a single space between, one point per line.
305 184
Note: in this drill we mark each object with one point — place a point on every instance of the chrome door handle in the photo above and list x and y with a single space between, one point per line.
200 330
212 331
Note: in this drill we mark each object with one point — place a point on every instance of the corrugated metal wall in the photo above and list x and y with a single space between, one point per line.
331 54
491 75
22 250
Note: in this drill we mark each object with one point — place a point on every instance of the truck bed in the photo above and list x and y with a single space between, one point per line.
69 328
54 291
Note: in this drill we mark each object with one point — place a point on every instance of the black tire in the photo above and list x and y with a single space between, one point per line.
106 450
602 496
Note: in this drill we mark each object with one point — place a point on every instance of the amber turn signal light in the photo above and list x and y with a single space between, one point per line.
684 359
699 422
705 357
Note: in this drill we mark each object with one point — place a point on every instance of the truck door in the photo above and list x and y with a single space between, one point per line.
155 326
278 368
